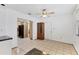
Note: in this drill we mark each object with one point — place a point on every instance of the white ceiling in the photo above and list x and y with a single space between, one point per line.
36 8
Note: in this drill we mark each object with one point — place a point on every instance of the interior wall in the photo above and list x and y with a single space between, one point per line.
2 21
59 28
76 25
62 28
11 24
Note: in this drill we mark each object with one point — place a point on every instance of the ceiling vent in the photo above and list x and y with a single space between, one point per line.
3 4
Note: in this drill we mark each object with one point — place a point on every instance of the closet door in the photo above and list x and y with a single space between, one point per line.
40 31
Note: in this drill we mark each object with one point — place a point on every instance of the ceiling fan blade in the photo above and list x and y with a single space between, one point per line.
44 10
33 13
51 12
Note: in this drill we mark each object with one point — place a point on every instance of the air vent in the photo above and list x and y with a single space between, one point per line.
3 4
29 13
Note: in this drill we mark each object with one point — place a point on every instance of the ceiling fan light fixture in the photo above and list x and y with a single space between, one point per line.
44 15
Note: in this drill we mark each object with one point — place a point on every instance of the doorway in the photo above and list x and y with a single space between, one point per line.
24 28
40 31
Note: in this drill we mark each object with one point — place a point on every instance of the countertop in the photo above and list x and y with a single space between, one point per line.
4 38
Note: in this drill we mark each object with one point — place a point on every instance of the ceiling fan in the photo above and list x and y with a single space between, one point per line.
44 13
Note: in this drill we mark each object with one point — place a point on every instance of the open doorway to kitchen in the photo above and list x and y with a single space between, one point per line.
24 28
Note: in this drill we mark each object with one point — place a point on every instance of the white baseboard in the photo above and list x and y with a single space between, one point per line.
64 41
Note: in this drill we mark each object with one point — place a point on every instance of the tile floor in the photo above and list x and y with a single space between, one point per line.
47 46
